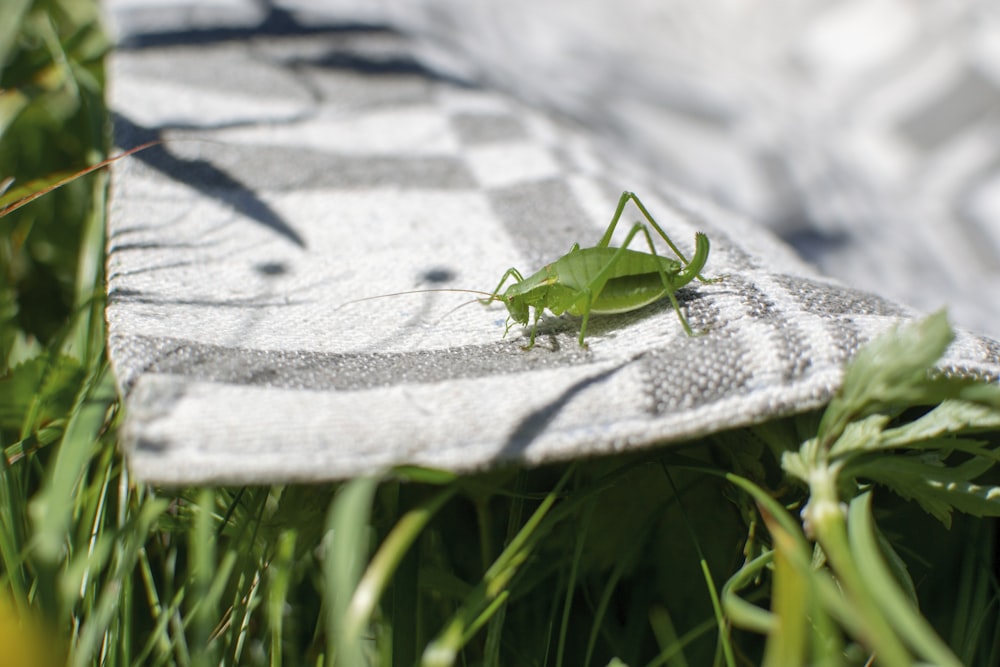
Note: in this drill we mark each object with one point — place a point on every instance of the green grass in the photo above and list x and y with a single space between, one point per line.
813 540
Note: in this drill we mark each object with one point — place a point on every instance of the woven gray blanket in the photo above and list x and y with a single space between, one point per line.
310 162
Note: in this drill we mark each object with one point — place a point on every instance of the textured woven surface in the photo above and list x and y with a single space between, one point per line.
328 165
863 132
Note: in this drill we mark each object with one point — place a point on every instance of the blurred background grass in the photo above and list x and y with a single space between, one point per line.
575 564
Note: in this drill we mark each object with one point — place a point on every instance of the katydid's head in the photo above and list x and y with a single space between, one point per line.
517 306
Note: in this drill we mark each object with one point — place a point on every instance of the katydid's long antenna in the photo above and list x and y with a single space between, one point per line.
462 305
488 295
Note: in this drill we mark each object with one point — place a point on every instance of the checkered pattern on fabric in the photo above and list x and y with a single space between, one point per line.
304 171
864 132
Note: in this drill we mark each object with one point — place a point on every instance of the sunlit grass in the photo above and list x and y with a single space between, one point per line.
695 555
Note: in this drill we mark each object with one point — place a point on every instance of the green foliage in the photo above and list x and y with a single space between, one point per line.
52 119
900 424
757 546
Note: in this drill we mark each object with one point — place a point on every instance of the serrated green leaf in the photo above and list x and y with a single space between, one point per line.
937 488
796 465
951 417
860 436
949 445
892 371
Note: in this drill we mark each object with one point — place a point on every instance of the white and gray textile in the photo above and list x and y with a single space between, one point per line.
312 160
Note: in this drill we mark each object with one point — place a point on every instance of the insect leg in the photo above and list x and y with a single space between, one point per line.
534 329
606 239
496 292
692 270
649 218
678 280
672 283
593 289
586 316
680 314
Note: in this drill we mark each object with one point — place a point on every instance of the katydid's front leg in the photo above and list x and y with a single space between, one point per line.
534 329
507 274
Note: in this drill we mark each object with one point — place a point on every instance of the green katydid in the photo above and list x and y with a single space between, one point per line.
604 280
600 280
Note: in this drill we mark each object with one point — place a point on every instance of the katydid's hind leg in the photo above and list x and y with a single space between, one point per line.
666 238
622 201
668 284
606 239
693 269
659 230
680 315
596 286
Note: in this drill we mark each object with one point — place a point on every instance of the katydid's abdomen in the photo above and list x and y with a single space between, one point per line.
634 280
621 295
